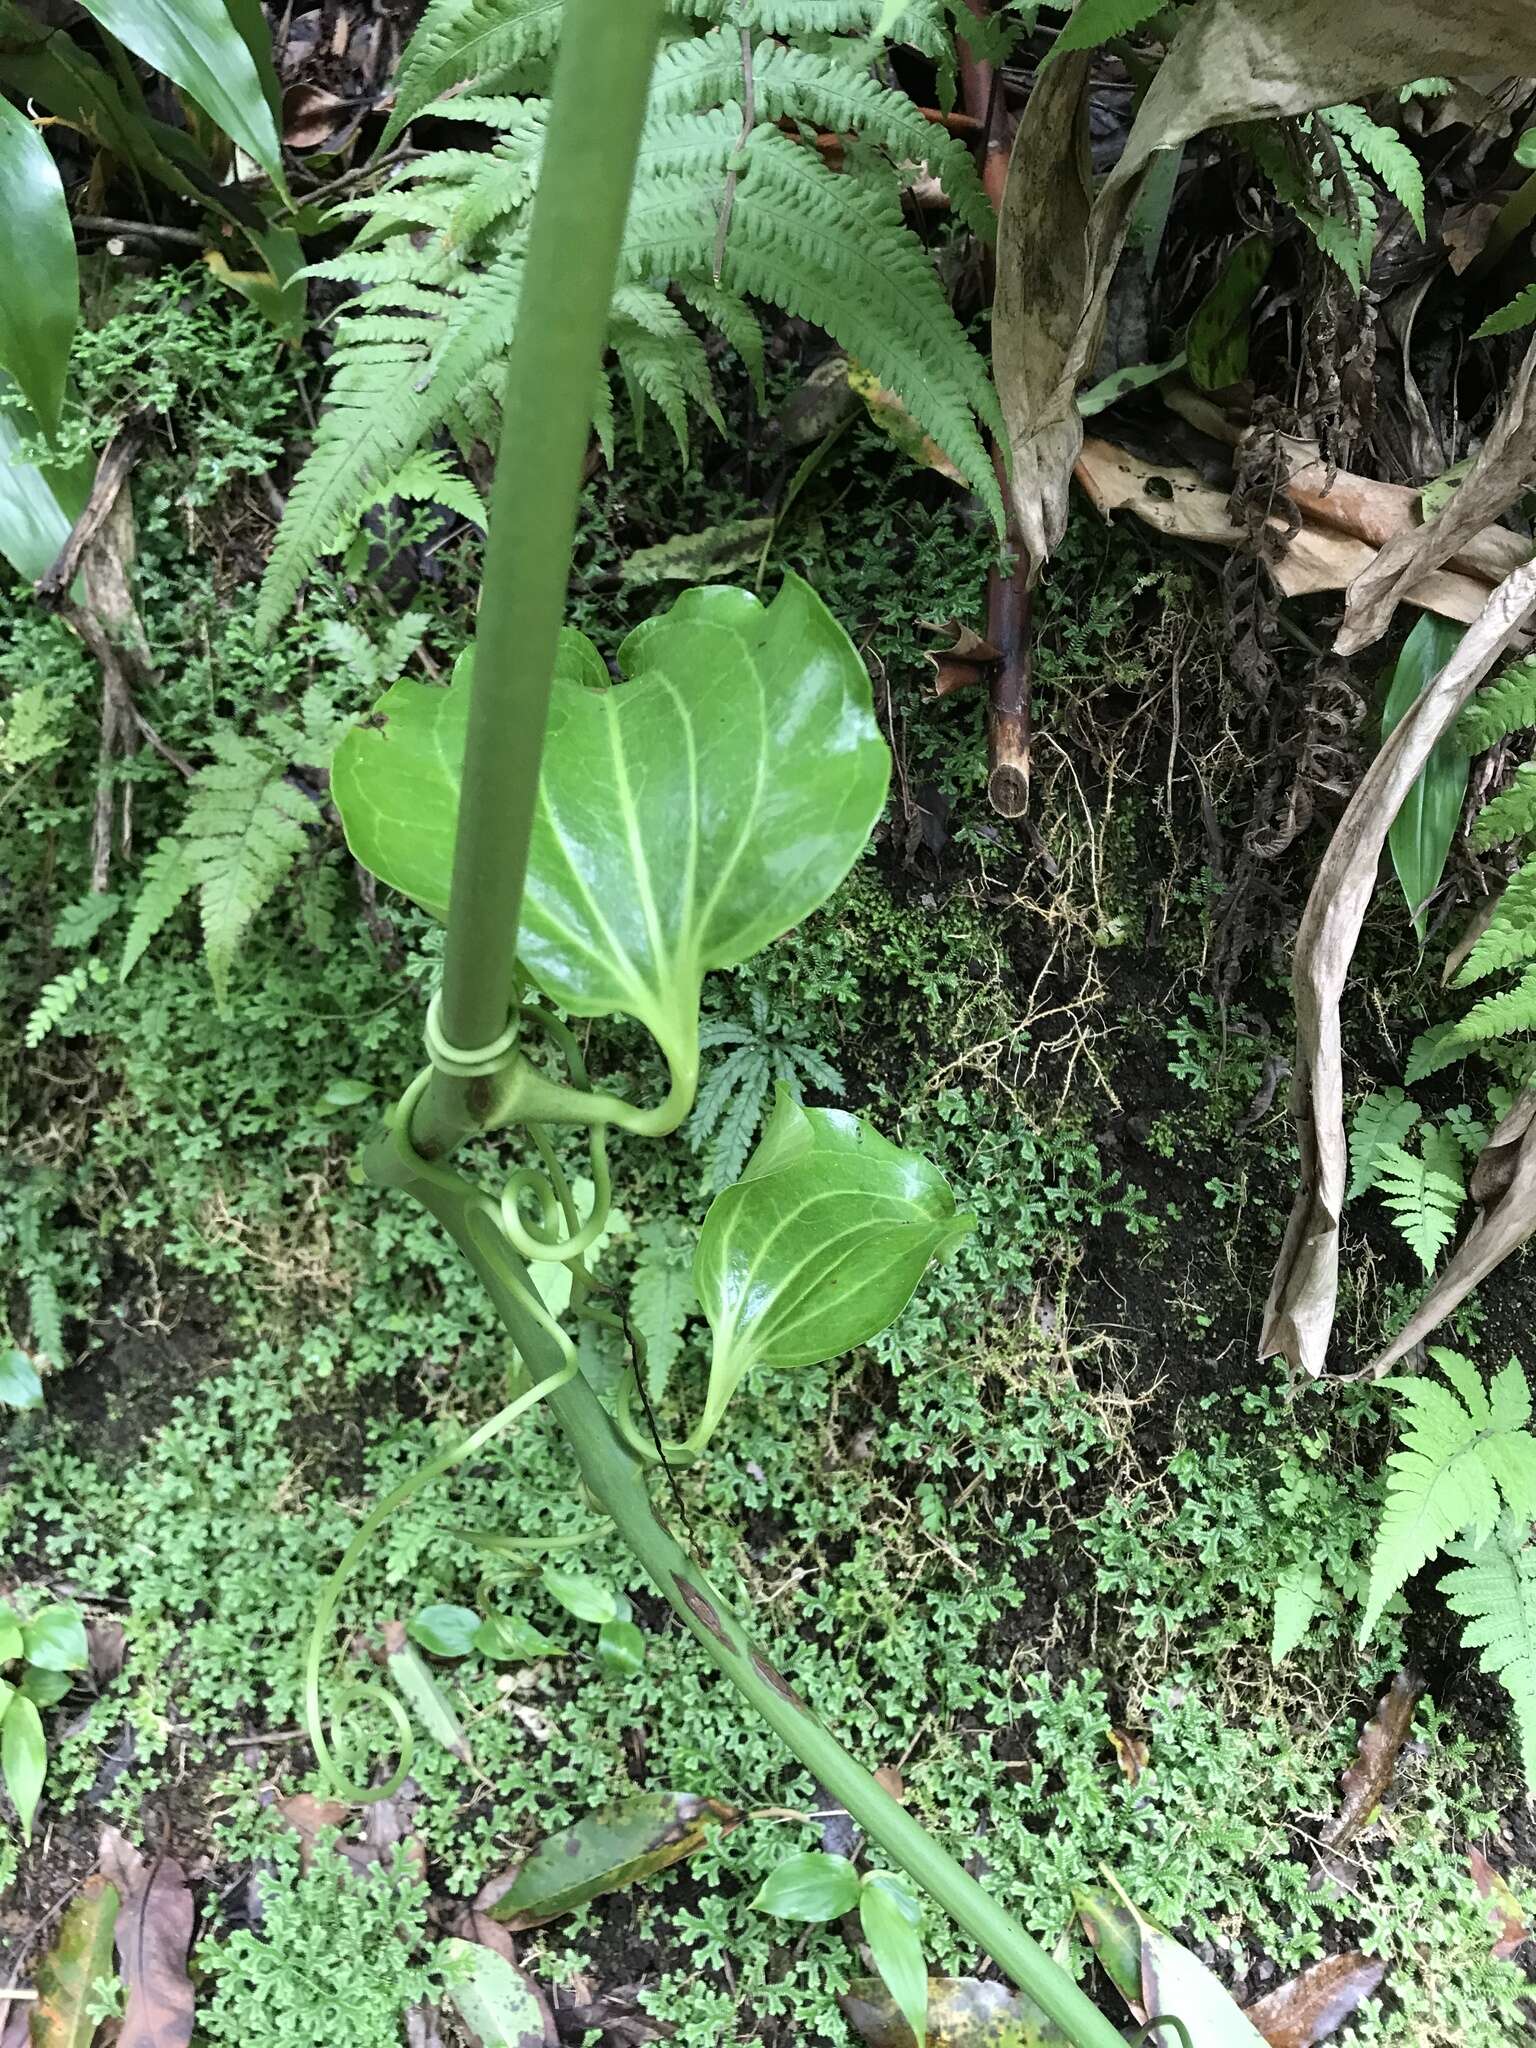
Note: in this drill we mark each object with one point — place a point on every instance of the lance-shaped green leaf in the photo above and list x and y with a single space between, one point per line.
1423 829
685 818
889 1918
491 1996
39 309
613 1847
198 47
65 2013
38 508
817 1248
1217 341
23 1759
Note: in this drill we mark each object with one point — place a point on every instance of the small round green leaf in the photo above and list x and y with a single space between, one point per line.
620 1649
346 1092
810 1886
588 1598
889 1917
54 1640
1525 150
686 818
23 1759
20 1386
44 1688
444 1631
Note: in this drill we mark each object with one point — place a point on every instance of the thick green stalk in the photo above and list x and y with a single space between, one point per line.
617 1482
597 105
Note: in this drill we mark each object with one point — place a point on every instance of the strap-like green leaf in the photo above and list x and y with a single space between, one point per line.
198 47
685 819
41 302
1422 832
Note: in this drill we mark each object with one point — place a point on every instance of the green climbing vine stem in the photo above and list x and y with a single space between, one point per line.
478 1077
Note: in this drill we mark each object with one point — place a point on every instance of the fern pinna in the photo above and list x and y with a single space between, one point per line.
724 210
1464 1482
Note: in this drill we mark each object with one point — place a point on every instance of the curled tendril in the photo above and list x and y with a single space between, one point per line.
549 1188
1156 2025
329 1745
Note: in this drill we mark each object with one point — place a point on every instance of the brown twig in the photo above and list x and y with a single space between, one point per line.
146 230
748 123
117 459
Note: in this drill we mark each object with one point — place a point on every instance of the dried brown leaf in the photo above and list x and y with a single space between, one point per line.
1498 476
1505 1909
1231 61
308 1816
1503 1186
963 2012
1321 1999
1132 1753
106 1646
67 1974
1369 1778
154 1933
1298 1317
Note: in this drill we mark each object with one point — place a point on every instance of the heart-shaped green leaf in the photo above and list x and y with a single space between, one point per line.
810 1886
817 1248
686 818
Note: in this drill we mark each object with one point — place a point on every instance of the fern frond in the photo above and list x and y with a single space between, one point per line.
1495 1589
168 879
458 42
427 479
244 828
58 998
1461 1451
1511 813
1520 312
1382 1119
1096 21
734 318
1507 704
1424 1204
1497 1016
45 1313
661 1299
719 1085
1383 151
1510 934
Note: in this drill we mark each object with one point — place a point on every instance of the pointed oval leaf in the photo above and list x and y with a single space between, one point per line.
686 818
1425 826
612 1847
20 1386
443 1630
66 1978
491 1996
198 47
887 1914
1217 342
585 1595
819 1246
963 2012
620 1649
39 310
508 1639
23 1759
54 1639
811 1886
44 1688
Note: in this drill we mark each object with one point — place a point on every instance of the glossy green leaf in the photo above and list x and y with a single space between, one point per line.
963 2012
616 1846
889 1917
1217 340
40 305
7 1694
276 289
10 1638
54 1639
686 818
809 1886
1422 832
491 1996
1156 1974
508 1639
63 2016
1115 1938
198 47
818 1247
587 1597
443 1630
23 1759
42 1687
346 1092
20 1386
620 1649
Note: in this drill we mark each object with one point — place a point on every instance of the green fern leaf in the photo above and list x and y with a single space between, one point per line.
733 318
1506 705
59 998
1495 1589
469 41
45 1313
1520 312
427 479
718 1086
1096 21
1510 814
661 1299
168 878
1384 151
1461 1451
245 827
1423 1203
1510 934
1431 1050
1499 1016
1440 1149
1382 1119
